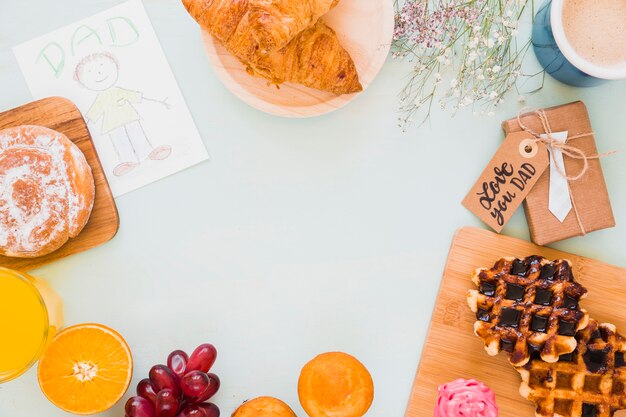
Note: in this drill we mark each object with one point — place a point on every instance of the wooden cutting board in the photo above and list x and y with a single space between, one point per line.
452 351
62 115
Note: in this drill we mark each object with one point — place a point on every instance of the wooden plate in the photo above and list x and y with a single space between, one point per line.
452 351
365 29
62 115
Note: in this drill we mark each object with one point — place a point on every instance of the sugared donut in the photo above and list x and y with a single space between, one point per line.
46 191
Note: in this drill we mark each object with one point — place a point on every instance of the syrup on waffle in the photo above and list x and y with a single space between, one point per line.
589 382
527 306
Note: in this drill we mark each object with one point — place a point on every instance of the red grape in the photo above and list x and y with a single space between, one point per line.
162 377
138 407
194 384
210 409
160 394
167 403
198 386
177 362
193 410
211 389
202 358
147 390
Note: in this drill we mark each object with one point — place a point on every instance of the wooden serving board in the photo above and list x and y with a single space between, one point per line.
365 29
452 351
62 115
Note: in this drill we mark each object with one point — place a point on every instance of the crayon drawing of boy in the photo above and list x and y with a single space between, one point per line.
120 120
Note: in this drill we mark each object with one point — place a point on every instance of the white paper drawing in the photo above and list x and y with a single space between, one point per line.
111 65
99 72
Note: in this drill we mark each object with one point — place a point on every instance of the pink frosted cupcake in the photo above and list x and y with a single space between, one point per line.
466 398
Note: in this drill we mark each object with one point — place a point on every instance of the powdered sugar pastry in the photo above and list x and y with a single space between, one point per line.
46 191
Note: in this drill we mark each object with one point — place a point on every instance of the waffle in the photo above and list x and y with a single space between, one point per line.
589 382
527 307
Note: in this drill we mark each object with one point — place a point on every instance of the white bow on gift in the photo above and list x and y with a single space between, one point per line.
559 200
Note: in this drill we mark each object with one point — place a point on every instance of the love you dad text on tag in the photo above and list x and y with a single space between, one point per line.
508 178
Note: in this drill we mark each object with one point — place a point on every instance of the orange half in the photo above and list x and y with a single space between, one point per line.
335 384
86 369
264 407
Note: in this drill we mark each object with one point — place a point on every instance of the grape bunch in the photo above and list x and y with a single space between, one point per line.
179 389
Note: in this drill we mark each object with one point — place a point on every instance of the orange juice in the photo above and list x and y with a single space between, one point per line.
30 315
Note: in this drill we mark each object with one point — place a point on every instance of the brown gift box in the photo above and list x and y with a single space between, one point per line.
589 193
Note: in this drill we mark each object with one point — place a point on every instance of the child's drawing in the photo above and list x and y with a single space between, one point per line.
99 72
112 67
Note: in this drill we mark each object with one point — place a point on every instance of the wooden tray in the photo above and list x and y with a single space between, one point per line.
365 29
62 115
452 351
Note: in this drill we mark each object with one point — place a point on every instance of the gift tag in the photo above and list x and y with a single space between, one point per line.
507 179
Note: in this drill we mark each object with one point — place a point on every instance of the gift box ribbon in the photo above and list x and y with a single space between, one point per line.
560 199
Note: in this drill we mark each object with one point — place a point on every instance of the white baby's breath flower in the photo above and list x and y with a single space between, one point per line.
472 39
521 98
491 114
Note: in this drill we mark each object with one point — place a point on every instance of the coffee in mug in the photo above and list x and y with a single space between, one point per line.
581 42
596 29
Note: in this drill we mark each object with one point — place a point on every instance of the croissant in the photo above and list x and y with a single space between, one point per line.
251 27
281 40
315 59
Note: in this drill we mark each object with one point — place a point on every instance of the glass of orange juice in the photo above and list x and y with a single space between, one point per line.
30 315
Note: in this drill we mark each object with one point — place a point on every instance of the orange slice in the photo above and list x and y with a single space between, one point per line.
335 384
86 369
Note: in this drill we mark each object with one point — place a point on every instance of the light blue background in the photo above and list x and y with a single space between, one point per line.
299 236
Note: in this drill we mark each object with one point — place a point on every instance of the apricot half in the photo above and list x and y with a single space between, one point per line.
264 407
335 384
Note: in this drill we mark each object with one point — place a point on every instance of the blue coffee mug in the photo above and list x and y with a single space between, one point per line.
558 57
